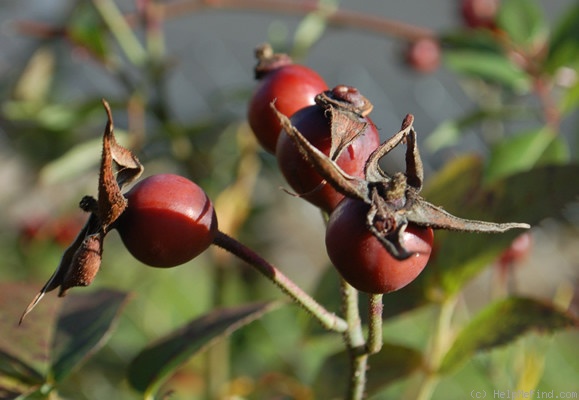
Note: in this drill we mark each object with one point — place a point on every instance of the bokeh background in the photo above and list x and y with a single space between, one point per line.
188 117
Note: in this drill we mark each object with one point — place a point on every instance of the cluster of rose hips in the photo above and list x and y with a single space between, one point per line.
184 220
295 91
379 230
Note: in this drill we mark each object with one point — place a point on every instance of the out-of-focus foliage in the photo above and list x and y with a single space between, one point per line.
522 81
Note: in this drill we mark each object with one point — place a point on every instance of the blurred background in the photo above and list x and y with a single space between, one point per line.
179 97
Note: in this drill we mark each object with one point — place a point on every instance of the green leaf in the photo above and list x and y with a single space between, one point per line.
149 368
312 27
522 20
564 41
392 363
527 197
490 67
570 99
83 327
479 40
78 160
25 349
449 132
518 153
501 323
86 29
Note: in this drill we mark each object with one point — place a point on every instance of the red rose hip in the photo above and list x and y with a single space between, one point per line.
291 86
169 220
314 123
363 261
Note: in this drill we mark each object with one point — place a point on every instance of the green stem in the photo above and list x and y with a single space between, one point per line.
355 343
328 320
375 338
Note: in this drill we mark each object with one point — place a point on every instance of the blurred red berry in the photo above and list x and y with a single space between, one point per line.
423 55
518 250
479 13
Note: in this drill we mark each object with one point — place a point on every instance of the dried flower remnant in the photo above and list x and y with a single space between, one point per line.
81 260
395 200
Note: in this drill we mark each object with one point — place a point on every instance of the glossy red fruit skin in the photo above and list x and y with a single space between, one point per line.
362 260
314 124
169 221
423 55
292 87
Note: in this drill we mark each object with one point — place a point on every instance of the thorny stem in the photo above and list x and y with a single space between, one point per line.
374 344
439 345
328 320
355 343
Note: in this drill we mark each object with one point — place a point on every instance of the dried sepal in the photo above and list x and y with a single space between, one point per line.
63 267
111 202
346 109
85 263
328 169
81 260
394 200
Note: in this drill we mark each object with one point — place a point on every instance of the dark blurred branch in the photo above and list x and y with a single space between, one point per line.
335 17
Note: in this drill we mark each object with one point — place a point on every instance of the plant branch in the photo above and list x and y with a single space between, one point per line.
355 342
328 320
335 17
375 339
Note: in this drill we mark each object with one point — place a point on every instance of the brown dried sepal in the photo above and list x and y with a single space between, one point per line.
395 200
268 61
81 260
85 263
347 110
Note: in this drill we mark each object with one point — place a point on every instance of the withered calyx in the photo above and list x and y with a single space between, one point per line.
81 260
395 200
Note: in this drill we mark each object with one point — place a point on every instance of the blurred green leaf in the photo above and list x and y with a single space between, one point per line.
564 41
478 40
449 132
83 327
530 197
522 20
56 337
524 197
520 153
34 83
570 99
81 158
25 349
312 27
490 67
392 363
557 152
86 29
149 368
55 117
501 323
446 134
309 32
